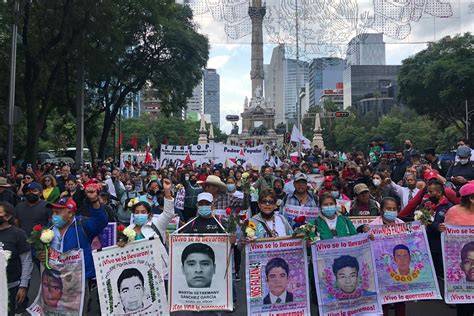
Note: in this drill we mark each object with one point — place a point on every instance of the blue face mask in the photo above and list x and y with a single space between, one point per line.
329 211
316 170
143 173
390 215
58 221
140 219
204 211
335 194
231 187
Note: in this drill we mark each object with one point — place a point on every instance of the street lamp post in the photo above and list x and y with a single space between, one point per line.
11 100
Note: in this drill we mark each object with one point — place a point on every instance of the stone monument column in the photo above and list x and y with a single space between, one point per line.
257 12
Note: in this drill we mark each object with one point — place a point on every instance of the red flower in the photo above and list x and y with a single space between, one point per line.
243 216
300 219
120 228
37 228
228 211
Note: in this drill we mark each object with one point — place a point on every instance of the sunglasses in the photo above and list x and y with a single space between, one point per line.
267 202
28 178
47 180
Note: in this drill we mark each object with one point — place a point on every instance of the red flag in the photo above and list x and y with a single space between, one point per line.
147 153
120 140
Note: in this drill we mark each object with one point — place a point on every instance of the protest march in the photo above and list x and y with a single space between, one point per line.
320 236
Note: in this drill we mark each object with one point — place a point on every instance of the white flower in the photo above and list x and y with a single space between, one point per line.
130 233
245 175
250 232
7 254
47 236
132 202
418 215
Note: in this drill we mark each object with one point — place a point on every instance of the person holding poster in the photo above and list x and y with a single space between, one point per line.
389 209
330 224
269 223
461 215
77 232
204 222
301 195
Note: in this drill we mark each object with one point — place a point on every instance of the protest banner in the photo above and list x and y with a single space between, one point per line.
200 272
198 154
458 259
107 238
361 220
179 199
346 204
277 277
130 279
315 181
3 283
404 264
61 290
344 271
293 211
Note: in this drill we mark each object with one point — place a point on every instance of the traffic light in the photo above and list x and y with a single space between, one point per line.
342 114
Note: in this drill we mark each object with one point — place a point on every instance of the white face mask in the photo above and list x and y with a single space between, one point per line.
107 177
464 161
376 182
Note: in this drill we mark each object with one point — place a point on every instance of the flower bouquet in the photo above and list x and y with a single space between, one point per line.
245 182
125 235
40 239
424 216
241 220
308 230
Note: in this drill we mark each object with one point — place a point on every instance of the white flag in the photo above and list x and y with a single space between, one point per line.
296 136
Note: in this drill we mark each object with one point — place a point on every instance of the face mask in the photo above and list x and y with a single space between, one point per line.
186 178
128 187
329 211
32 198
193 181
335 194
289 176
411 186
204 211
407 146
464 161
58 221
268 177
277 190
143 174
316 171
434 199
153 178
152 193
231 187
140 219
376 182
2 220
390 215
107 177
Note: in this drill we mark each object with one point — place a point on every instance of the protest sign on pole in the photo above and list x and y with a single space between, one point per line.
292 211
181 155
361 220
61 290
130 279
107 238
404 264
458 259
277 277
3 283
344 271
200 272
235 155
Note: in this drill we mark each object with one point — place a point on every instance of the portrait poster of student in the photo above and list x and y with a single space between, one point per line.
61 290
458 259
3 283
404 265
345 278
200 272
277 277
107 238
130 279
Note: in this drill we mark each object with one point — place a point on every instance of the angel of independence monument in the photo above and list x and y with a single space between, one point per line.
258 118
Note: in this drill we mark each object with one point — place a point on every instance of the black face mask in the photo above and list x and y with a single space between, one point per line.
407 146
2 220
434 199
267 216
193 182
152 193
277 190
32 198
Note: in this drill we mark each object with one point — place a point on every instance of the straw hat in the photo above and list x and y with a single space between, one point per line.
215 180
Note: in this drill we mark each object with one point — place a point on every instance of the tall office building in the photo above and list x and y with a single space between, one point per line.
281 84
131 109
324 73
366 49
194 103
211 95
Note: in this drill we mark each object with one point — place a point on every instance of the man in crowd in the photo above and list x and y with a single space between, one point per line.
265 182
300 196
406 193
6 194
461 171
33 210
363 204
65 175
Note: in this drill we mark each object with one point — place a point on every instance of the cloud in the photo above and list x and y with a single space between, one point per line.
217 62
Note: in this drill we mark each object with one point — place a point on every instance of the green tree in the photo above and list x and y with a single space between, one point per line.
438 80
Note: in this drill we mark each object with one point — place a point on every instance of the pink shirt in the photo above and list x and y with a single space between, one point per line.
459 215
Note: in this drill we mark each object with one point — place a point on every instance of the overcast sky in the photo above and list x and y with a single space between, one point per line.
231 57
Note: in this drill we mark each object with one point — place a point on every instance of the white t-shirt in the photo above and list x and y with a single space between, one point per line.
331 222
280 227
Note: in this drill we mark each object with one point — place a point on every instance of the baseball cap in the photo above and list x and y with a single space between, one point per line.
360 188
64 202
300 176
34 186
463 152
430 175
205 196
467 189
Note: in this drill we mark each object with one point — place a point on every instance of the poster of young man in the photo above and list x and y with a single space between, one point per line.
458 259
130 279
107 238
61 290
200 272
277 277
292 211
404 265
345 278
3 283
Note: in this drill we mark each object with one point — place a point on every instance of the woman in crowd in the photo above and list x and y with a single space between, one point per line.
278 186
50 189
330 224
19 265
269 223
124 211
388 216
75 191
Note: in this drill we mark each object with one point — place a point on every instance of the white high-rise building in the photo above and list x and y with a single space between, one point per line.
366 49
194 103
